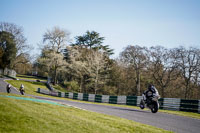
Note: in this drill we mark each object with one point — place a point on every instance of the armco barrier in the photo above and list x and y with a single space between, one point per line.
131 100
85 97
98 98
105 98
91 97
189 105
70 95
199 106
165 103
66 94
121 100
80 96
113 99
171 104
138 100
75 96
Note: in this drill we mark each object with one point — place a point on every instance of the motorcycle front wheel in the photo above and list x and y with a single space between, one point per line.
22 92
8 90
154 109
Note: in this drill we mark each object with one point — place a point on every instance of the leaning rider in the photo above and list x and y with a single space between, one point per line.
151 90
22 87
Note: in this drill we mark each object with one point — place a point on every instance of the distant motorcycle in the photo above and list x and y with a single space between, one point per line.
151 103
21 89
8 88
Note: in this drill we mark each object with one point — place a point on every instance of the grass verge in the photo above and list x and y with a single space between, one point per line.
27 116
30 87
19 76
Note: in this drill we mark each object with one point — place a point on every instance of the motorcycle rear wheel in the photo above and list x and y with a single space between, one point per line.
142 104
8 90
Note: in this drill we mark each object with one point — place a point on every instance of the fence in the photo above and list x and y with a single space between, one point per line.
8 72
165 103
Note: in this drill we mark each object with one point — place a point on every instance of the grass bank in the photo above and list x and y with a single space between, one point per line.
30 87
28 116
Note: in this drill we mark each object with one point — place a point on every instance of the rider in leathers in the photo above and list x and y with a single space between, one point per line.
149 93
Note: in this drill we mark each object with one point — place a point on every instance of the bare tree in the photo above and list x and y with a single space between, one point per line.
135 56
162 67
189 64
56 41
56 38
96 63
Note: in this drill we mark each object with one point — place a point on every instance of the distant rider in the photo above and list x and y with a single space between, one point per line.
22 87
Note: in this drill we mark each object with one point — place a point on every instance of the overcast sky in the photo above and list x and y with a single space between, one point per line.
169 23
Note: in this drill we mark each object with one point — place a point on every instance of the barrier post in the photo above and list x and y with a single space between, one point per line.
38 90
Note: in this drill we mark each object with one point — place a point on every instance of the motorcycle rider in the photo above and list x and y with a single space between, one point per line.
21 87
150 99
150 92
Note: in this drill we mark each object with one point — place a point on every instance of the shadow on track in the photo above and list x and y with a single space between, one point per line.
134 110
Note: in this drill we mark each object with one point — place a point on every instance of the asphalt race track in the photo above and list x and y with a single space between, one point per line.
170 122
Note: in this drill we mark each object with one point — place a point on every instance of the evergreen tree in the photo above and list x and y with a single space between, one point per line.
8 49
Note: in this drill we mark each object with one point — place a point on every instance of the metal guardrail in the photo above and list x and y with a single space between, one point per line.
165 103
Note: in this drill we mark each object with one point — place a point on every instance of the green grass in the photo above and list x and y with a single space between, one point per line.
181 113
27 116
31 88
30 77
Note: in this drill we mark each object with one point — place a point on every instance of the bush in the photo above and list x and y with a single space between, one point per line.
72 86
59 88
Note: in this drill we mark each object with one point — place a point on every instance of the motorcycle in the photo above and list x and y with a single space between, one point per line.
8 88
22 91
151 103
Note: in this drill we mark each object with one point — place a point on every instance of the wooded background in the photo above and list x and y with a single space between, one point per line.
85 65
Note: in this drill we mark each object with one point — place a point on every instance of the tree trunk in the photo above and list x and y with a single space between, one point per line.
55 76
138 82
187 87
81 85
95 88
96 80
163 92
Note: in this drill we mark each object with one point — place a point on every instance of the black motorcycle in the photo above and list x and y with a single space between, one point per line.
22 91
151 103
8 88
